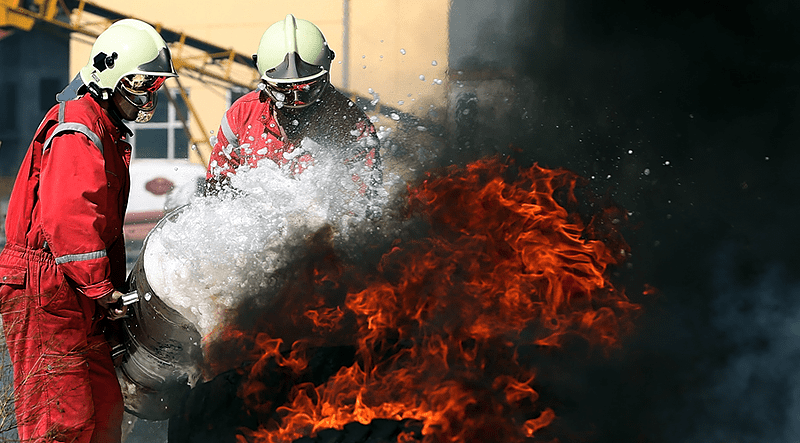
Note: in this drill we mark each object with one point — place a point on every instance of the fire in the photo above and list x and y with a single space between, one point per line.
443 332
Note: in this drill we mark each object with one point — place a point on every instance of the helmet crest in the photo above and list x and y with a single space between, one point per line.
293 50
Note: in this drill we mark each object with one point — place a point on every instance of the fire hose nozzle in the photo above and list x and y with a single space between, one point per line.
129 298
126 299
118 350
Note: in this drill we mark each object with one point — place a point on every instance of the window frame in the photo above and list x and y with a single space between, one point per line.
172 124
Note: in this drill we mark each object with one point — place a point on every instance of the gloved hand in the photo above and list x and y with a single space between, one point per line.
108 302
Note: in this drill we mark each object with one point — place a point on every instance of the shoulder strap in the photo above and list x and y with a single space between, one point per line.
71 127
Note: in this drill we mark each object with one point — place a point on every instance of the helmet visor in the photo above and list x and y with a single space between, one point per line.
293 67
296 94
162 64
140 90
143 82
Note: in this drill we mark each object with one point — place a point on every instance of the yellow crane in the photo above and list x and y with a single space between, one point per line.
188 53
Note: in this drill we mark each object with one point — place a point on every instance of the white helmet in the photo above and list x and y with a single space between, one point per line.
129 61
294 61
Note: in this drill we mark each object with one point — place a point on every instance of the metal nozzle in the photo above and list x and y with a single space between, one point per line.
118 350
126 299
129 298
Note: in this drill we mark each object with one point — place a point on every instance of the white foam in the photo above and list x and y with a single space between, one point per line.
219 250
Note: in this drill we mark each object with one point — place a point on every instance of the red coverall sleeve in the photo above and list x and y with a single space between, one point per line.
224 159
75 195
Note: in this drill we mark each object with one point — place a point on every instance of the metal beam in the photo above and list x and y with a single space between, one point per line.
190 53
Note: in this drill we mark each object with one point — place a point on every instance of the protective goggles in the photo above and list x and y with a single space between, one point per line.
140 90
297 94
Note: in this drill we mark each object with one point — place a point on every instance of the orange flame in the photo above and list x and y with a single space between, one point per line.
508 264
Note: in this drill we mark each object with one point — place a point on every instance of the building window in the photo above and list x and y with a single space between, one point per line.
235 93
48 88
164 135
8 106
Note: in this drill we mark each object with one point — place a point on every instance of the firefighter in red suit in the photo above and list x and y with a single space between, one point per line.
65 254
295 106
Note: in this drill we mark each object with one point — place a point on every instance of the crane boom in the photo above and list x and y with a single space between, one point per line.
188 53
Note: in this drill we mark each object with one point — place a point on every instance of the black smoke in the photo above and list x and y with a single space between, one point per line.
686 114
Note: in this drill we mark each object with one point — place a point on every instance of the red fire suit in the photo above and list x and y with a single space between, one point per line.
64 250
252 130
